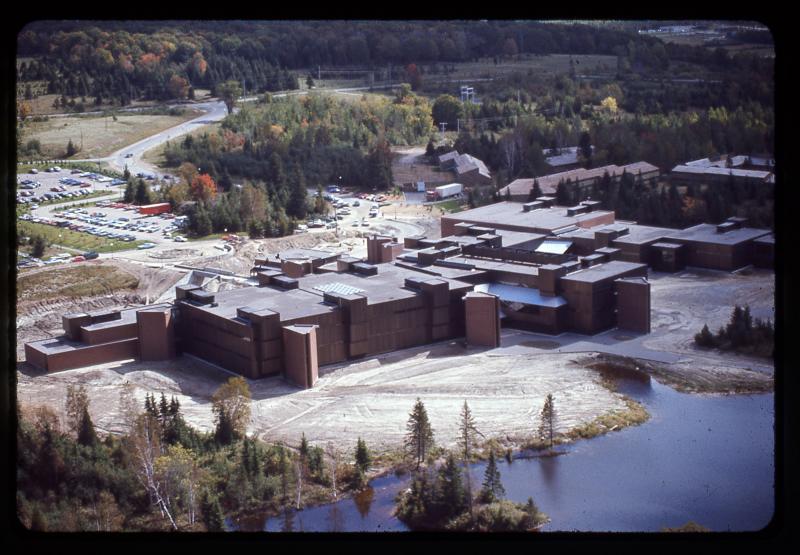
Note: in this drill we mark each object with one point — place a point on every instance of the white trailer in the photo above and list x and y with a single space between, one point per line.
446 191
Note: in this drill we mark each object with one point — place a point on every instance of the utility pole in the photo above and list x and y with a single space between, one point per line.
319 73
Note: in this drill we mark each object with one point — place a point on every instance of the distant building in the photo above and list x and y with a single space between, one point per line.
563 159
716 175
467 169
581 179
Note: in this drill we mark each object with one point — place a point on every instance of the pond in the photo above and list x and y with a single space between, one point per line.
708 459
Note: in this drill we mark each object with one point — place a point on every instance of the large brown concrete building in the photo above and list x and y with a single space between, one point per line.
535 266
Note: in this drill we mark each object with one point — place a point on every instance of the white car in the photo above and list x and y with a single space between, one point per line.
179 239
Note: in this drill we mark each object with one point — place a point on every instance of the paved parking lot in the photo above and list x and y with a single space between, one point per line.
114 220
66 184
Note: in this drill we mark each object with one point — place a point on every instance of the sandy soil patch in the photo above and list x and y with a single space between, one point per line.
369 399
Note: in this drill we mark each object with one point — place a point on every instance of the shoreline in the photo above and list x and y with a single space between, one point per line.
609 368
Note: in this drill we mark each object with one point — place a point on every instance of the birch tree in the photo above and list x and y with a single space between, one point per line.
146 446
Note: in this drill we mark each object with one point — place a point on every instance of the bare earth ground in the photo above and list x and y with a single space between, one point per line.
372 398
369 399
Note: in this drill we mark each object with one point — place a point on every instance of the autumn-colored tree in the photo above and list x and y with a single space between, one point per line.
414 76
77 404
178 86
187 172
24 110
231 403
609 104
203 187
199 64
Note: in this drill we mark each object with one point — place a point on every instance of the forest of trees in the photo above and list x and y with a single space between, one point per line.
743 334
151 59
442 497
282 147
162 474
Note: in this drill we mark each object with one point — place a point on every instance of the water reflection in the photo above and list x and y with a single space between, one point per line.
709 459
363 500
288 521
335 519
549 467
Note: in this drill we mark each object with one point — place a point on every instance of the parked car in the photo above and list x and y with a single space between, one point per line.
146 246
79 259
91 255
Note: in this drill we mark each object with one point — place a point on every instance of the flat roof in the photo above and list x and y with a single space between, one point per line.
305 253
602 271
497 265
640 234
514 238
707 233
713 170
766 239
507 213
291 303
519 294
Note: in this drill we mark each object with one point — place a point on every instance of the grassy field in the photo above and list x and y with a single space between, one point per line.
74 281
74 239
99 135
450 206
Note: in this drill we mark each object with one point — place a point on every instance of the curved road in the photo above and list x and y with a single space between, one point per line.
214 111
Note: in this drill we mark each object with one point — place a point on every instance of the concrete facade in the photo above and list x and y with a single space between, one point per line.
482 319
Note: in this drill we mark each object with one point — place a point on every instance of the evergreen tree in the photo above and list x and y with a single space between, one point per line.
536 191
363 458
492 485
129 190
86 433
298 206
142 194
704 338
548 420
212 514
451 495
39 245
71 150
223 433
419 435
303 447
467 436
430 149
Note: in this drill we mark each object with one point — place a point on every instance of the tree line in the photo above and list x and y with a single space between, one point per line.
443 497
742 334
280 148
162 474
